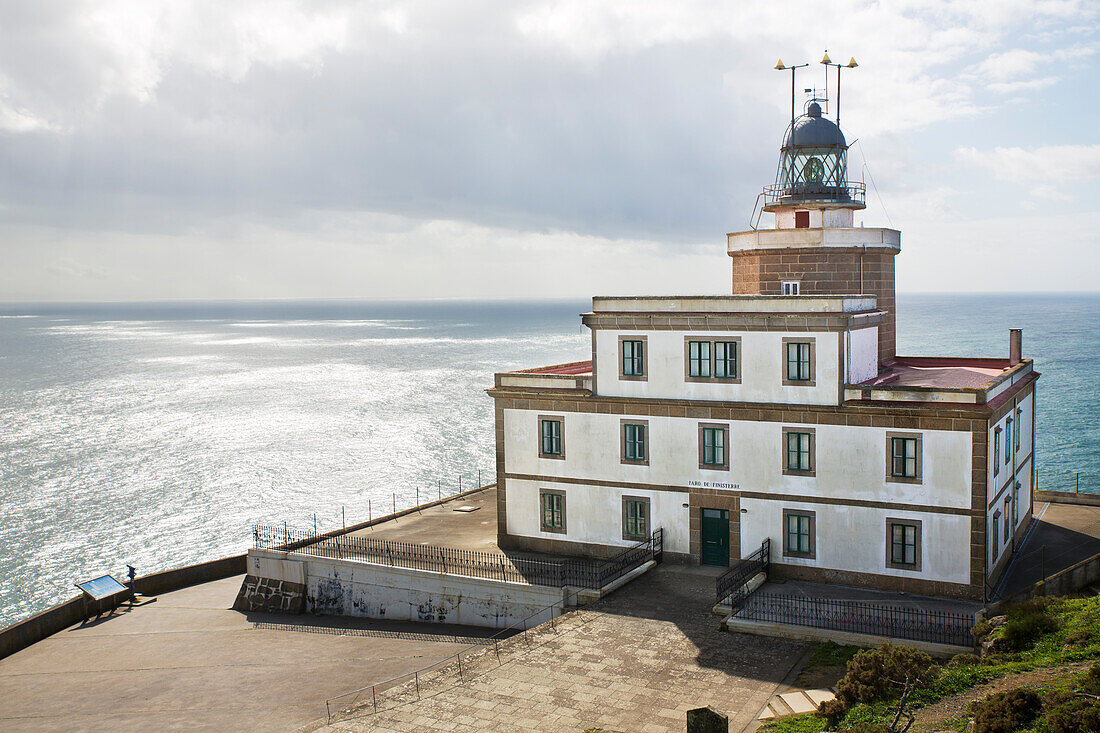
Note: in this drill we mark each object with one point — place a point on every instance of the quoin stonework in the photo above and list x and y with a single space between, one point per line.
781 411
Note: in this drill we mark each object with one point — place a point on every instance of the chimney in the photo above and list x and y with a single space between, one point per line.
1015 346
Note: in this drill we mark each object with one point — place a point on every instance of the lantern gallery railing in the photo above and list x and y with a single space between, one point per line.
579 572
854 192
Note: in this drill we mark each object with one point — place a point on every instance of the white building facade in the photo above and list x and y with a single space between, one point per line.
779 412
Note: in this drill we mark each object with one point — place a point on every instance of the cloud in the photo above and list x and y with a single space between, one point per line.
636 121
1044 164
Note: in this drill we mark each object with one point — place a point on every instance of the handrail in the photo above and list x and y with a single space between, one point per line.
730 583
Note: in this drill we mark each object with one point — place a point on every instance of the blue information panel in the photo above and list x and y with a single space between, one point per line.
101 587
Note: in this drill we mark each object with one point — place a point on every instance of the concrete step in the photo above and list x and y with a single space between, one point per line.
794 702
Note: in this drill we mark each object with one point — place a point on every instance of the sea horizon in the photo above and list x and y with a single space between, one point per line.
157 433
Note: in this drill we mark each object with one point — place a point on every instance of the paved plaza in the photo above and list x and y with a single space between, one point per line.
636 661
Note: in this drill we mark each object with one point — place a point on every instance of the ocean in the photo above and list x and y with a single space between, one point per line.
157 434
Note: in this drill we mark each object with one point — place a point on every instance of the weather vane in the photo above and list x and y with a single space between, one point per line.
826 61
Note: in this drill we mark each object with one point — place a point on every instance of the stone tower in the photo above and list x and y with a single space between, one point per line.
813 248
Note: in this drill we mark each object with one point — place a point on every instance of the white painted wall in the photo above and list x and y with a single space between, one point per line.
762 368
593 514
784 218
945 539
1018 469
862 354
348 588
851 460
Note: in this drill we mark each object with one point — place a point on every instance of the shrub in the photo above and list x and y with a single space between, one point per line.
963 660
1078 639
1079 715
1091 683
1024 628
980 629
877 674
1005 712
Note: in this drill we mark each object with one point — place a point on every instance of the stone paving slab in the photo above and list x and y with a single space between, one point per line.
638 661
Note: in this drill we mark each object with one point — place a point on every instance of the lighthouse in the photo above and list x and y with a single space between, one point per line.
813 247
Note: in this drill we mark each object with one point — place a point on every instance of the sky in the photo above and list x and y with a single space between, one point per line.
160 149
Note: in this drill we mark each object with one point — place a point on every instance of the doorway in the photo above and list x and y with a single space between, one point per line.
715 537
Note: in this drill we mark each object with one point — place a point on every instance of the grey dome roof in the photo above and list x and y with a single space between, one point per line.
813 130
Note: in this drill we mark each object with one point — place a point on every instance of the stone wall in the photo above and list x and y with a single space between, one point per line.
822 271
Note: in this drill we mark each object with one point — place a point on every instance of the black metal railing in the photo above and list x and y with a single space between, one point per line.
861 617
580 572
731 583
844 191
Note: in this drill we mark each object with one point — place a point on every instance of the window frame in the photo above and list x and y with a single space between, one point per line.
644 376
995 547
705 362
891 436
1008 526
1016 486
790 287
787 431
560 419
543 493
643 501
644 425
1016 432
725 430
712 359
811 361
1008 441
915 524
812 516
996 450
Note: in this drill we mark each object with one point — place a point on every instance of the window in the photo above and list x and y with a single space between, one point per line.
698 358
903 545
798 366
553 510
798 533
801 220
798 446
1008 527
903 457
707 361
1016 433
551 432
633 357
725 359
1008 443
789 287
1015 503
993 546
996 450
634 441
712 447
635 518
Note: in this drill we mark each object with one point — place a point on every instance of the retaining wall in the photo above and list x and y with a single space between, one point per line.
1064 582
1068 497
30 630
334 587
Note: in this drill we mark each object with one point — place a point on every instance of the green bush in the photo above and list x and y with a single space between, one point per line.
1023 631
980 629
866 728
1079 715
1078 640
1005 712
1091 683
963 660
877 674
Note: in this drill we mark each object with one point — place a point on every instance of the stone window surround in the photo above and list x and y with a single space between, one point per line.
890 477
787 471
644 376
812 381
648 517
787 552
725 465
713 359
890 522
542 511
622 441
560 419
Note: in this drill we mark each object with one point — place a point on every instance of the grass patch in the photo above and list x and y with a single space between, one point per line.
830 654
805 723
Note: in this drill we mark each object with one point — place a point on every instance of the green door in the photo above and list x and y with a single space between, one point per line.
715 537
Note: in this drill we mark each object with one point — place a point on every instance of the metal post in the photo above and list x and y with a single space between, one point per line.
459 657
314 524
370 515
460 483
496 648
374 698
1077 485
418 497
343 517
479 478
438 489
416 676
395 503
286 533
